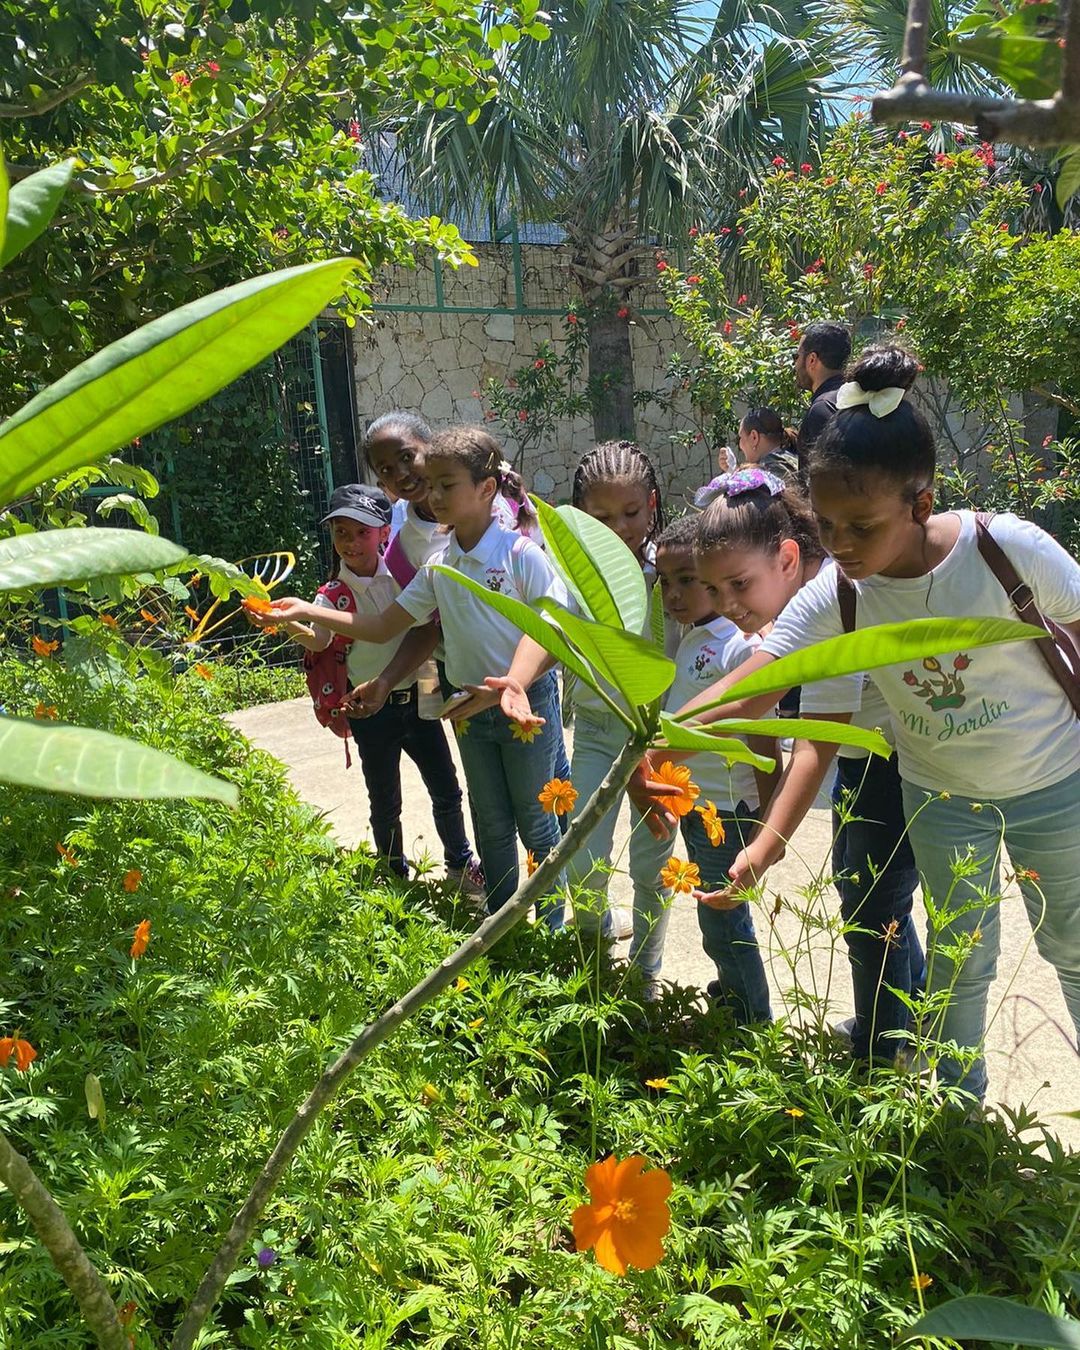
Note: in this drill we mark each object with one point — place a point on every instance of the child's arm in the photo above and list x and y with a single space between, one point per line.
382 627
367 698
509 690
307 637
767 783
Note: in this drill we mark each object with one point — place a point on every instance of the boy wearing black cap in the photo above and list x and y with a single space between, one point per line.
359 520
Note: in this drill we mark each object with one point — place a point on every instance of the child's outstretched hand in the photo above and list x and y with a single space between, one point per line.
746 872
478 698
648 794
513 700
292 609
366 699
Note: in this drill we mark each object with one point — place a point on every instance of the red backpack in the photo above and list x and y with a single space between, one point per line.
327 678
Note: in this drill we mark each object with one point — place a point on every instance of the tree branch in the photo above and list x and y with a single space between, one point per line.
1045 121
47 102
485 937
59 1240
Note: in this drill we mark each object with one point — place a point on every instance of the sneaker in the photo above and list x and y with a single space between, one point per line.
619 924
468 881
844 1031
652 991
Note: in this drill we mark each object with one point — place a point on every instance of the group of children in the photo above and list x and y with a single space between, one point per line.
987 744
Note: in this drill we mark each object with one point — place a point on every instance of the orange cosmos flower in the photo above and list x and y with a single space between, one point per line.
714 826
530 863
526 734
558 796
41 647
67 855
193 614
142 939
255 604
680 877
46 710
921 1281
131 880
108 621
626 1216
148 616
24 1052
680 801
203 672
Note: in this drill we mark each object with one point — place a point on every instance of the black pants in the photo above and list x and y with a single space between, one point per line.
380 739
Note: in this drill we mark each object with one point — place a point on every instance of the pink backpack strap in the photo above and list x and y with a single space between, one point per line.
397 562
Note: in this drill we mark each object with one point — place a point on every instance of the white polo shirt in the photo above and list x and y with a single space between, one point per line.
365 660
479 641
420 540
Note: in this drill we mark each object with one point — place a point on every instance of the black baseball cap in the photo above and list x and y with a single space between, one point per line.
358 501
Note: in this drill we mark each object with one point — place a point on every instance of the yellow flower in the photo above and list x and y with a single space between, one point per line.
530 863
430 1094
714 827
626 1216
41 647
476 1023
680 877
46 710
932 663
794 1112
461 728
526 734
680 800
203 672
558 796
660 1084
461 984
921 1281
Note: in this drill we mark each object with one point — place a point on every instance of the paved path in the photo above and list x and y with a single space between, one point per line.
1031 1059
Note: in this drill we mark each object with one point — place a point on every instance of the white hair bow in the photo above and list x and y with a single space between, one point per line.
881 402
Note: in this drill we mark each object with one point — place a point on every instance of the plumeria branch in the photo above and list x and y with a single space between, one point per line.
59 1240
541 883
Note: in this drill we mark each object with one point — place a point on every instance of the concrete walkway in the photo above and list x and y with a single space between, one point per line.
1031 1058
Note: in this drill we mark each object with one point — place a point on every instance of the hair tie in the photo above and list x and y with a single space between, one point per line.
881 402
747 479
505 467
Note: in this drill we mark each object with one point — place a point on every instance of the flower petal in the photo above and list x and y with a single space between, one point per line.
608 1255
586 1228
652 1189
600 1180
637 1244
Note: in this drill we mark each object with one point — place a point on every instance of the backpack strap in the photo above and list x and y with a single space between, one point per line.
517 548
1053 646
847 598
397 562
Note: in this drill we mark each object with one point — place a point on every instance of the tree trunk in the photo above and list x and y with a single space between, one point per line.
611 375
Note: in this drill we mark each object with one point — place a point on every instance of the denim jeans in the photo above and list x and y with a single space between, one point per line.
1042 833
874 871
380 739
504 777
597 742
728 934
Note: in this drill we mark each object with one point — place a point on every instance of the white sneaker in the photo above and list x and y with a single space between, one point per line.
619 924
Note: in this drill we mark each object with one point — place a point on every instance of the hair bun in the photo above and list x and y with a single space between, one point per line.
886 367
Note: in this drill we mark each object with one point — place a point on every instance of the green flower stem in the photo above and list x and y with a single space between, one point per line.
59 1240
373 1035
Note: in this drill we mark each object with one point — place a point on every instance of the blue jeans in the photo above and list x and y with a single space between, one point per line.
728 934
598 739
380 739
874 871
1042 833
504 777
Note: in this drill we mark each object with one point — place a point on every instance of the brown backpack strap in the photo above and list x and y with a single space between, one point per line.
847 599
1056 641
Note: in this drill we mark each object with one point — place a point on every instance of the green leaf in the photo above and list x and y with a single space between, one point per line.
681 736
31 204
1068 181
55 557
89 763
979 1317
95 1098
657 626
1030 65
631 663
530 623
600 570
885 644
4 193
805 729
158 372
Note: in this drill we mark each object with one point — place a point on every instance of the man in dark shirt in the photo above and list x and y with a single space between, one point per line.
819 363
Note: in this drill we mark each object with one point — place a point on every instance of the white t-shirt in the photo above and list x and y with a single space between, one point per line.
991 723
479 641
397 515
420 540
365 660
706 654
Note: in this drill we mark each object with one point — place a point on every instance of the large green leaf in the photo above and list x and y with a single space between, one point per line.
681 736
158 372
89 763
604 575
31 204
632 664
530 623
979 1317
1068 180
4 189
55 557
885 644
804 729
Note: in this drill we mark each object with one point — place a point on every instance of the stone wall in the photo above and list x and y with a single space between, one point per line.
432 362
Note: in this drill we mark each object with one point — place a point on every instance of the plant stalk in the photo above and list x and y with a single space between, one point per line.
373 1035
59 1240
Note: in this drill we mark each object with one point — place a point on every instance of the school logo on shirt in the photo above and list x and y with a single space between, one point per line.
494 577
704 661
940 688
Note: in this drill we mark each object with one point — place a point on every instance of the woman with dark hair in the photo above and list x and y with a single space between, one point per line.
766 442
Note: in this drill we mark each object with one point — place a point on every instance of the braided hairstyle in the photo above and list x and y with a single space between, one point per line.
619 462
482 456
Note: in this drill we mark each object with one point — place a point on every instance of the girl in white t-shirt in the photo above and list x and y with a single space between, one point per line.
988 742
727 809
505 767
